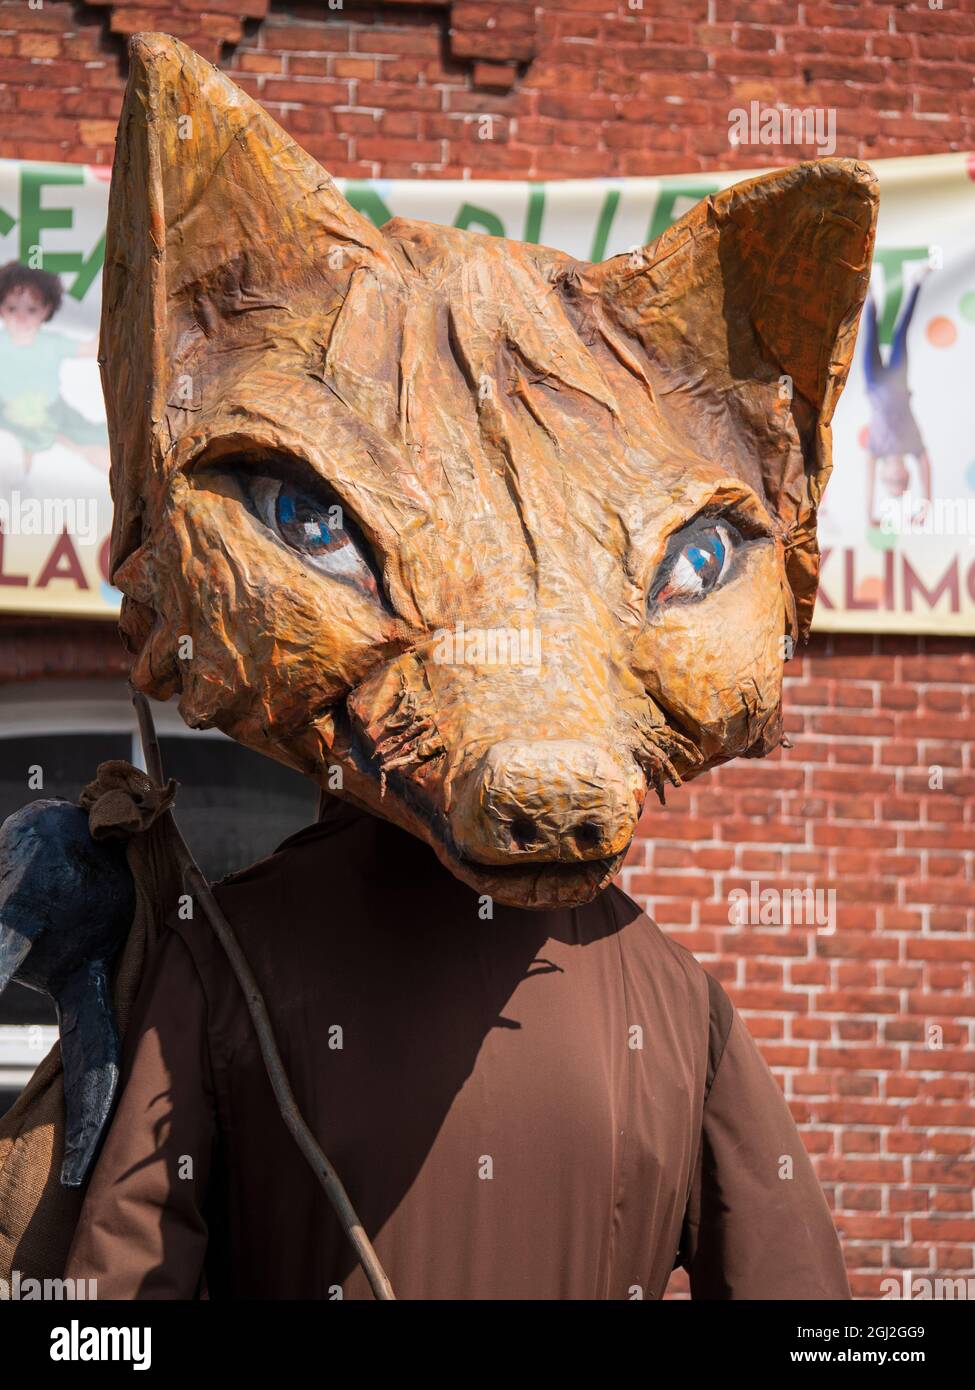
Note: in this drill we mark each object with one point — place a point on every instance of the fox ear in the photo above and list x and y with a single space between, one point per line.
745 313
215 217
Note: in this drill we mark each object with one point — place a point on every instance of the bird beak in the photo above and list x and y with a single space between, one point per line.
90 1058
14 948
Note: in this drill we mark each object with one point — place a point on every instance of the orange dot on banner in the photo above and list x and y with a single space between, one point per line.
941 332
863 438
871 591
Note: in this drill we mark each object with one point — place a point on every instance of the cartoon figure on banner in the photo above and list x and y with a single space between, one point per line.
44 439
897 458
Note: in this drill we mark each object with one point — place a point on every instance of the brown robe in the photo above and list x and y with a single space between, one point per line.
542 1105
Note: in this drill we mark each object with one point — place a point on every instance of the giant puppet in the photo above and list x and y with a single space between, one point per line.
489 543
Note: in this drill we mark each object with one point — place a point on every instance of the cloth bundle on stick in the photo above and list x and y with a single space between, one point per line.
37 1214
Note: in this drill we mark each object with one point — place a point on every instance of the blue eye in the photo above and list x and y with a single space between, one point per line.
707 557
304 522
697 566
315 528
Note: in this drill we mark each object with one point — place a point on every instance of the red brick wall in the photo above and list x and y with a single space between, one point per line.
391 89
597 89
844 1018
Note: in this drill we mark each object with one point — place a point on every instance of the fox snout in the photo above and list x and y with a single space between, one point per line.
547 799
544 800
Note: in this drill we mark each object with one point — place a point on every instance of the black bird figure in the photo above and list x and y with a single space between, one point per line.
66 906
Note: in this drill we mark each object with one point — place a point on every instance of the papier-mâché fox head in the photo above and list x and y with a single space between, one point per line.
485 539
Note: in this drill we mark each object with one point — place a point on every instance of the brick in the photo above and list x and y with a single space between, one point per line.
388 97
870 1227
354 68
281 37
412 152
379 41
40 45
309 67
306 93
259 62
936 1227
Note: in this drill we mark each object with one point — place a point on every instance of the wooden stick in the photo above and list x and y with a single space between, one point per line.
151 751
196 882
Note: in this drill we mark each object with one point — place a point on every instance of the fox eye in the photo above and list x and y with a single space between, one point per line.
696 561
315 527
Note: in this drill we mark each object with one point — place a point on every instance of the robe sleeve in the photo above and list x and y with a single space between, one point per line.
757 1225
142 1233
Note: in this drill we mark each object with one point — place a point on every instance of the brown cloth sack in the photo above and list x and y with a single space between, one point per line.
37 1215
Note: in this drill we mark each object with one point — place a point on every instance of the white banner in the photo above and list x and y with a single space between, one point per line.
898 524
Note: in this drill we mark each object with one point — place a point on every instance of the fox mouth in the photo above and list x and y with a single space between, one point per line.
538 883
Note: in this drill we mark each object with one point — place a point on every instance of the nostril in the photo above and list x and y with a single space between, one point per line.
524 832
588 834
